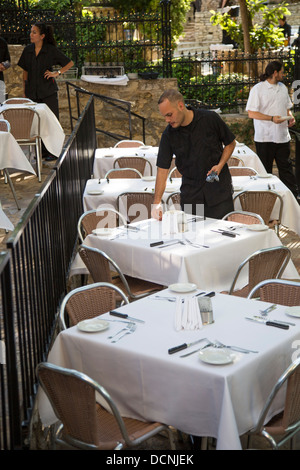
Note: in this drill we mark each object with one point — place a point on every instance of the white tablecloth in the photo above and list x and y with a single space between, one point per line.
291 209
249 158
111 190
11 154
105 157
193 396
51 131
117 186
121 80
4 221
210 268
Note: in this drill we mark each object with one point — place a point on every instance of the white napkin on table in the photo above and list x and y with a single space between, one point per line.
187 314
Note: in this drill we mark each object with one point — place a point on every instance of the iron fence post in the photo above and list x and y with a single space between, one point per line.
166 38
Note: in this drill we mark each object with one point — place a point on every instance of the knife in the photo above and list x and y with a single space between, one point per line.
284 326
124 315
184 346
227 234
167 243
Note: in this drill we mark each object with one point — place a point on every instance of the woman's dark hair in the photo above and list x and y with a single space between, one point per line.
47 30
274 66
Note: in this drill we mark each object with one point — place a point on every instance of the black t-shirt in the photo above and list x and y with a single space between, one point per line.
38 87
197 148
4 55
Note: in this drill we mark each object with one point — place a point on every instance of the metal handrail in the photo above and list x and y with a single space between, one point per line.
122 105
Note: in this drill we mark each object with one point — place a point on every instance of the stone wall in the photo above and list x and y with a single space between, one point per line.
142 94
207 34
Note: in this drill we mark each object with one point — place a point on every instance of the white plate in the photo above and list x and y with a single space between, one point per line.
216 356
285 118
103 231
183 287
171 189
257 227
92 326
293 311
149 178
266 175
237 188
95 192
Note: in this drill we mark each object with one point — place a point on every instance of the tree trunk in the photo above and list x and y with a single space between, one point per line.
246 26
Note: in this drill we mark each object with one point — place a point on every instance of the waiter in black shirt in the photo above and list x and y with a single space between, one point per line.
202 144
37 61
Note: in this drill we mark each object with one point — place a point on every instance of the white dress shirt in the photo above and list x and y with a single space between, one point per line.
272 100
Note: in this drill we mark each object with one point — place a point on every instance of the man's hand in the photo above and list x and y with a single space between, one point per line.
157 211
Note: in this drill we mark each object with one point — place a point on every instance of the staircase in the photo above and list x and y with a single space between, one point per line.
187 41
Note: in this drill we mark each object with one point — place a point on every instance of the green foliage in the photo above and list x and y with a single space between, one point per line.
179 8
266 35
57 5
215 89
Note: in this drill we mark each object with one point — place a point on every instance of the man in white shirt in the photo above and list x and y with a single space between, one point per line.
269 106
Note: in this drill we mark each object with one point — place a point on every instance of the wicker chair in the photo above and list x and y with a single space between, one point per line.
139 163
5 127
129 144
278 291
18 101
85 423
243 217
242 171
122 173
174 173
173 200
235 161
88 302
135 206
262 203
101 266
268 263
20 120
284 426
104 217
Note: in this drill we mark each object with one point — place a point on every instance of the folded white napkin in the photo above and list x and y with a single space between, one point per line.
187 314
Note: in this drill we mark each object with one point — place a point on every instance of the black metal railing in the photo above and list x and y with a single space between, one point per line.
136 41
218 79
34 276
118 105
143 42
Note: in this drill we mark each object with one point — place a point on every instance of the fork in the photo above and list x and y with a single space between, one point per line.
265 312
218 344
196 245
123 329
128 332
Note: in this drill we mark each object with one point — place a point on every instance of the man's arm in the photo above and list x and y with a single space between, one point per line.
264 117
227 152
160 185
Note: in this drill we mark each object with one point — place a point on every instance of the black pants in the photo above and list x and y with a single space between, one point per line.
52 103
268 152
215 212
